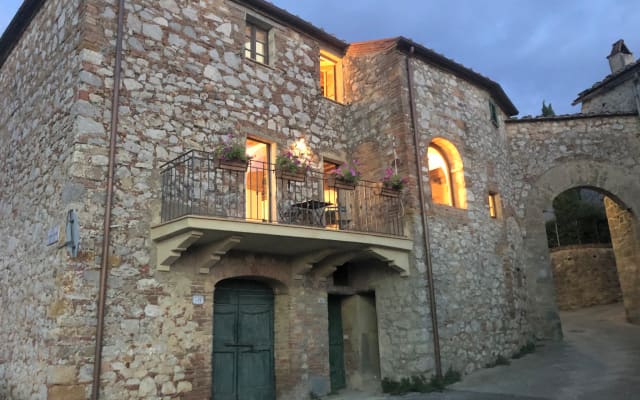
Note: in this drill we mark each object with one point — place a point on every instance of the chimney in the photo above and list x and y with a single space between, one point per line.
620 56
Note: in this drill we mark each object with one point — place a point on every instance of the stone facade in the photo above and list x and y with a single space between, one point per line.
585 276
185 85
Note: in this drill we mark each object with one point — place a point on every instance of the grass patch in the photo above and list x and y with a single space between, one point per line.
528 348
420 384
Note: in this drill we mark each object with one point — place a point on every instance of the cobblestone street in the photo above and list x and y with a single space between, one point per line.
599 359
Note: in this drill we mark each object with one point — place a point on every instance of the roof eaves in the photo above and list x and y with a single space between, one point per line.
460 70
17 26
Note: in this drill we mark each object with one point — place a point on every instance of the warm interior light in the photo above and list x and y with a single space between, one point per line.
440 177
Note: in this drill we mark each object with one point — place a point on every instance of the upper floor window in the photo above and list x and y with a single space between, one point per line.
446 174
256 43
493 112
494 205
330 76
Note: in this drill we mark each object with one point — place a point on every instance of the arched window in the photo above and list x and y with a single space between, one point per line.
446 174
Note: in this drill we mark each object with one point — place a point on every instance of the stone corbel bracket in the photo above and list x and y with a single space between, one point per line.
170 250
303 264
328 266
395 259
209 255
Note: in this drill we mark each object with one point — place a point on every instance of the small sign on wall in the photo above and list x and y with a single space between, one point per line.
197 299
53 235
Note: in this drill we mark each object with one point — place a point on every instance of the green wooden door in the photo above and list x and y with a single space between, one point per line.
336 344
243 342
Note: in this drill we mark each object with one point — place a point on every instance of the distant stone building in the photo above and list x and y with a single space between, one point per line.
194 277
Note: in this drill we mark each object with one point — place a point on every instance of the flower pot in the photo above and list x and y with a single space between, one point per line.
299 176
338 183
232 165
389 192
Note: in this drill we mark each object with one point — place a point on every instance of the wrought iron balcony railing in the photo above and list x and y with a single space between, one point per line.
196 183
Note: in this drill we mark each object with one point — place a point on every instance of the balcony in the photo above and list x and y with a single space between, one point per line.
258 209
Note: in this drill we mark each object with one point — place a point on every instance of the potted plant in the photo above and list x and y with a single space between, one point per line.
292 167
231 155
392 183
345 176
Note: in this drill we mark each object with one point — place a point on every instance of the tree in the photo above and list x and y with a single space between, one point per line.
579 218
547 110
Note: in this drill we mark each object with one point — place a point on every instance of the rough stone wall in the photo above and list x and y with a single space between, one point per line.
585 276
550 156
475 258
43 351
619 99
376 86
185 85
623 224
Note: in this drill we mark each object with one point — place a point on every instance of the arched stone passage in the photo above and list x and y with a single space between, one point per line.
624 189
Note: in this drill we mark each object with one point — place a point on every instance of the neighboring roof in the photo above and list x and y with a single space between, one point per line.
429 56
30 8
564 117
17 26
610 82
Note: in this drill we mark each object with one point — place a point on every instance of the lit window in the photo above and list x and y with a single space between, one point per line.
440 177
446 174
330 76
494 205
256 43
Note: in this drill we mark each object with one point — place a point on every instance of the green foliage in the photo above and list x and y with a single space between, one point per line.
451 377
547 110
578 220
528 348
419 383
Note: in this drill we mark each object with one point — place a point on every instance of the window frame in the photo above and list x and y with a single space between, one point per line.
493 113
495 204
338 78
251 53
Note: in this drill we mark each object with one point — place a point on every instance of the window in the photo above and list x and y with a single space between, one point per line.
446 174
330 76
494 205
494 113
256 43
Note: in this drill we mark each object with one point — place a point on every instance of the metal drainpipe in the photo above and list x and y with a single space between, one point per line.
425 227
636 83
106 228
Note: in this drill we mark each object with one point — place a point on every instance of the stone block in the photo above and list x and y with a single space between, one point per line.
72 392
61 374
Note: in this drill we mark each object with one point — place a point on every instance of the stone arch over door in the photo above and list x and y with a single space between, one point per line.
619 184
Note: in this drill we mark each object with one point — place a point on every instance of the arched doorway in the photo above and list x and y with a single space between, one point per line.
623 189
243 341
582 257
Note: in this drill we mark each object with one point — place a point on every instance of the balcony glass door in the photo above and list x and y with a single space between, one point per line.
258 181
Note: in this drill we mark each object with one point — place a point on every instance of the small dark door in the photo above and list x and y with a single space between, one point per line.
336 344
243 342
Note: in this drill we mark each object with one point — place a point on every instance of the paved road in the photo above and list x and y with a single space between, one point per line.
598 360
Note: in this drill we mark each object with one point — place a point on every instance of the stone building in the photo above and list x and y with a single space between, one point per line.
139 264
